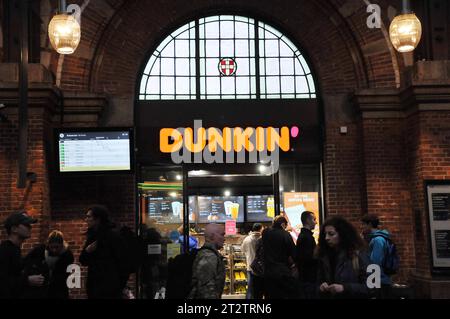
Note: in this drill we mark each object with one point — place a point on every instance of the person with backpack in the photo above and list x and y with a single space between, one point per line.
208 269
381 252
104 253
342 261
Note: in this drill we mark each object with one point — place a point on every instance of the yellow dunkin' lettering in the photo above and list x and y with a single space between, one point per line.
164 145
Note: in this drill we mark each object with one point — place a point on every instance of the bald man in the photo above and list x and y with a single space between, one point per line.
208 271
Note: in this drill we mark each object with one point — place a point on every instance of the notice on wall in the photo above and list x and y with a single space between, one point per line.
295 203
439 217
230 227
154 249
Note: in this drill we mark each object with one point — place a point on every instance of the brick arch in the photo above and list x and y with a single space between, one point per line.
118 35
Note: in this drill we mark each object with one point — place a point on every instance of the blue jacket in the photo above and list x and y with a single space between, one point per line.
377 251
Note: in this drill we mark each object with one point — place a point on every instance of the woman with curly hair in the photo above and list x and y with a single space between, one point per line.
342 261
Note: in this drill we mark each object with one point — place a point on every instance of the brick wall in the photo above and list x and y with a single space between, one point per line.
388 194
429 159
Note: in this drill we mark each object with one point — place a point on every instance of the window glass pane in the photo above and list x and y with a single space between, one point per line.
193 85
202 85
287 84
262 66
156 67
242 48
285 51
152 97
182 85
288 96
142 97
213 97
192 47
167 66
272 66
242 19
167 85
212 48
201 29
312 88
252 66
262 51
182 48
182 97
274 96
152 85
212 67
242 85
213 85
168 50
272 48
252 47
302 96
149 65
273 84
214 18
242 66
202 67
300 84
227 48
143 84
227 29
263 85
193 70
228 85
182 67
304 64
212 30
289 44
287 66
268 34
241 30
253 84
298 68
168 97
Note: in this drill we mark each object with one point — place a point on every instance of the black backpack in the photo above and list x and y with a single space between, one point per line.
180 275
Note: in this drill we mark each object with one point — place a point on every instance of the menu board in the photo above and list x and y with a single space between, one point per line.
260 208
168 209
439 217
295 203
218 209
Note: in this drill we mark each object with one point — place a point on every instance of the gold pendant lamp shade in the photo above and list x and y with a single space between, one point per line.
405 32
64 33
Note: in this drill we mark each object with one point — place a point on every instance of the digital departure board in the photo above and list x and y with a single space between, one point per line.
94 151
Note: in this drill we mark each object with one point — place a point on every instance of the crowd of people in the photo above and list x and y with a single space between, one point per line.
277 267
42 273
336 267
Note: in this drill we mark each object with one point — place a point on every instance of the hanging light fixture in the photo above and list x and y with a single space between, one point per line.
64 31
405 30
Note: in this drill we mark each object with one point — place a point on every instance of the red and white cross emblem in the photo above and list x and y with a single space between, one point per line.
227 66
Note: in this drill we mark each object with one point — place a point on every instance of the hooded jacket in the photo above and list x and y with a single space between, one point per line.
377 251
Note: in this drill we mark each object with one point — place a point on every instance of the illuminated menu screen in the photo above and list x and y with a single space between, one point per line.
260 208
94 151
219 209
169 209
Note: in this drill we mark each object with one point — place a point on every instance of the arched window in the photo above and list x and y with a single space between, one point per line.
226 57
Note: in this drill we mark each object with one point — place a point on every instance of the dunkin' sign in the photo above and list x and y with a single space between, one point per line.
228 145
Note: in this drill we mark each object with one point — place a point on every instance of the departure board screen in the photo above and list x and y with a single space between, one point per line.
94 151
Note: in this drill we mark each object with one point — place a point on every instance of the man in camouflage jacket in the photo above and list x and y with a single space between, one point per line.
208 271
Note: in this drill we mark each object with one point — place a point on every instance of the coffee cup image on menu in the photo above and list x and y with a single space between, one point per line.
231 209
177 209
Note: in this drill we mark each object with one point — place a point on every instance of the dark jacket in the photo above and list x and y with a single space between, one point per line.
349 272
278 247
107 265
12 279
55 285
304 256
